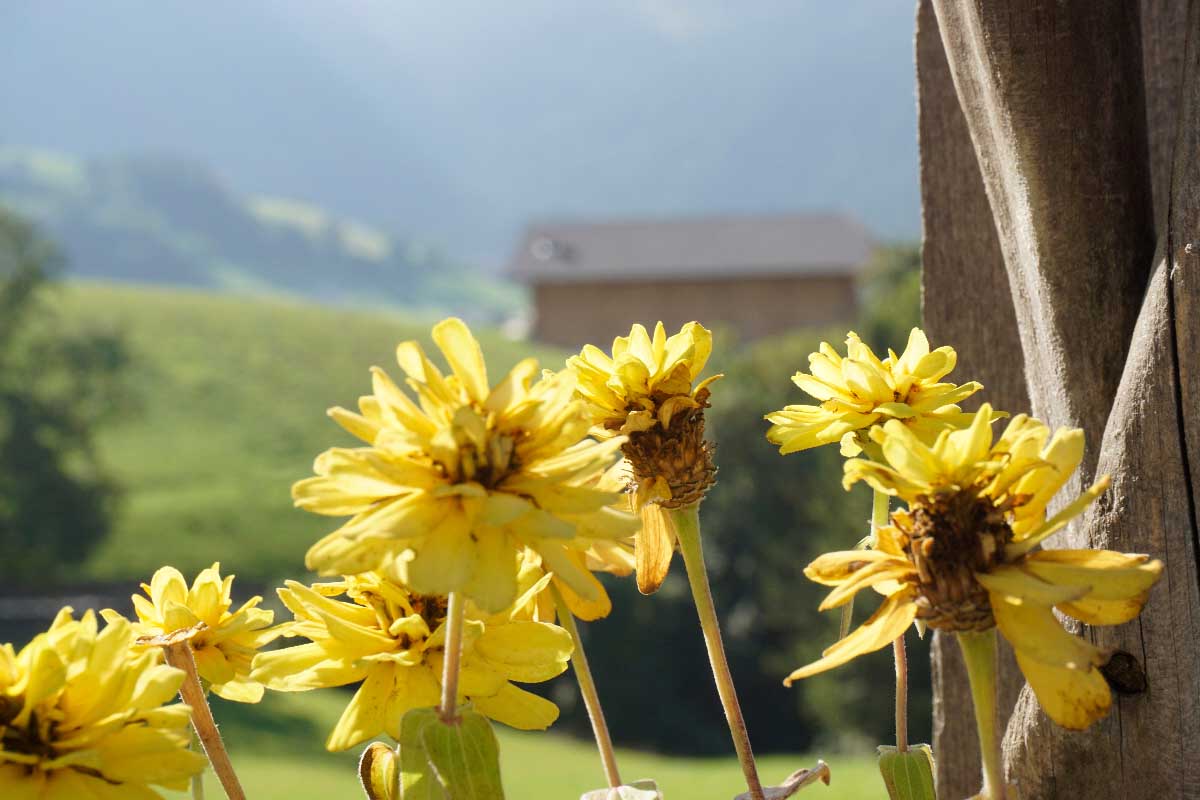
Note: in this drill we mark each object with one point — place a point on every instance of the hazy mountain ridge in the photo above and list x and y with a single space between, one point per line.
458 122
175 222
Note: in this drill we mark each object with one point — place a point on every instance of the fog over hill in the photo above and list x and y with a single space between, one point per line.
456 122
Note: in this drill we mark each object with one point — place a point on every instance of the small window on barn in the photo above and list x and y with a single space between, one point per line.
544 248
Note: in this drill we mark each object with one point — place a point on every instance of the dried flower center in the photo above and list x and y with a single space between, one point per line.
951 536
679 454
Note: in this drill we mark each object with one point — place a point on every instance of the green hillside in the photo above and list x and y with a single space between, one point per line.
175 222
230 400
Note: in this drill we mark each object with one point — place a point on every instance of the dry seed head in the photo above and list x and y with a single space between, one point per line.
950 537
678 454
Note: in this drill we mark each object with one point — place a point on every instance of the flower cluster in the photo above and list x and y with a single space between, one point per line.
83 715
454 486
393 641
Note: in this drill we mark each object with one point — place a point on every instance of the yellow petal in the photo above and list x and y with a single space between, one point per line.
654 546
518 708
444 559
528 652
464 356
493 584
1118 583
1034 631
1058 521
1072 698
364 716
889 621
889 572
1012 584
831 569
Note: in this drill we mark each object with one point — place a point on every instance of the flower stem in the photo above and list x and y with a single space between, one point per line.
979 653
179 655
687 528
879 518
197 780
587 688
452 662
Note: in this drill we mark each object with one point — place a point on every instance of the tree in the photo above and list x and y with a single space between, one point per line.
1061 195
55 387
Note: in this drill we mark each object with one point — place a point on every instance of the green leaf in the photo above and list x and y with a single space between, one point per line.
464 756
418 781
908 775
638 790
378 771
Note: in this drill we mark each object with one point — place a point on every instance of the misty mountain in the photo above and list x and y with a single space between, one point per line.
167 221
459 121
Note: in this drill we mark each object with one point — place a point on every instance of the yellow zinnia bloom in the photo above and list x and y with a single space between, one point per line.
224 642
393 641
647 380
452 488
961 557
649 390
82 716
860 390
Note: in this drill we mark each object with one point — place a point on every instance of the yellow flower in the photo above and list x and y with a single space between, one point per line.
647 390
961 557
82 716
452 488
646 381
393 641
223 642
860 391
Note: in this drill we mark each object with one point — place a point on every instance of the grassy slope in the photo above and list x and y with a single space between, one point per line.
283 759
230 400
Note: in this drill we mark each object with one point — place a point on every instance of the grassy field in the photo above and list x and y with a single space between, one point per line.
229 398
277 749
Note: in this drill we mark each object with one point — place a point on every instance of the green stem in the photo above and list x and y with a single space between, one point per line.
687 527
587 688
197 780
979 654
452 662
879 518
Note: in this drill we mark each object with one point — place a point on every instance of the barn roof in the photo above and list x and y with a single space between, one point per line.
654 249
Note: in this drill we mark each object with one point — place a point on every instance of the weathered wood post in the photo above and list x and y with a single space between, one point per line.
1060 175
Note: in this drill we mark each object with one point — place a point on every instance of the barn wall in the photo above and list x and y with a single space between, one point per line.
573 314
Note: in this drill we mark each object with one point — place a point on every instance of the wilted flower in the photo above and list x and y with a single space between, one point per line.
648 391
223 642
455 486
83 716
860 391
961 557
393 641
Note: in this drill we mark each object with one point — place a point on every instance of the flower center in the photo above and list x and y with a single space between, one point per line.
32 739
484 456
952 536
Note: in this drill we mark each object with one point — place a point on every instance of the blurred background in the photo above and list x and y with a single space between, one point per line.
215 217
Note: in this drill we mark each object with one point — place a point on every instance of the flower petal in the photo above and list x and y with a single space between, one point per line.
888 622
1072 698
